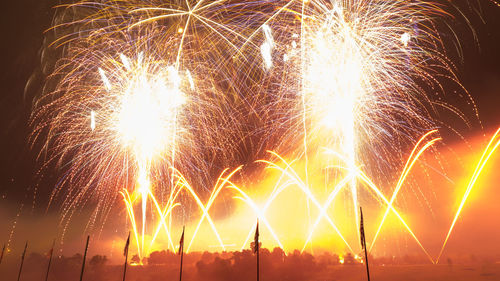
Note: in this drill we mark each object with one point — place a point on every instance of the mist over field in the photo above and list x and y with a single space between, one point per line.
274 265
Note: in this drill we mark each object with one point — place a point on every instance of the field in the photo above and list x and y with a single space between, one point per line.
241 266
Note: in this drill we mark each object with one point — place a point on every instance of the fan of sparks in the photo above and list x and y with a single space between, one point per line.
149 100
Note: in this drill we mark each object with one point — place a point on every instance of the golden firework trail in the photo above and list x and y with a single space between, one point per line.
163 221
289 178
221 183
414 156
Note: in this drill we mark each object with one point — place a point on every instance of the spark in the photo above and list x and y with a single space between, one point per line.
267 47
405 38
92 120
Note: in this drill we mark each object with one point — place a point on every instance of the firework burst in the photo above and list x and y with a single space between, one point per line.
361 78
127 99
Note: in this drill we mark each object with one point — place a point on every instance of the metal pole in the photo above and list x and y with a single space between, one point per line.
126 257
181 245
258 250
363 240
22 261
182 257
50 260
1 256
84 257
366 261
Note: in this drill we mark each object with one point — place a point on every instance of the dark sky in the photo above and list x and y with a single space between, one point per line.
22 27
23 23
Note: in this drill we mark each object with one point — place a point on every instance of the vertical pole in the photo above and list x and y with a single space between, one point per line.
181 252
126 256
363 243
22 261
50 260
182 256
1 256
84 257
258 250
366 261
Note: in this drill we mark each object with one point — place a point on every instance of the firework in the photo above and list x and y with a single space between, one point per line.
290 181
355 77
127 100
150 100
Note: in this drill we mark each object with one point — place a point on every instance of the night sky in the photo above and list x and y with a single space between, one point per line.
23 23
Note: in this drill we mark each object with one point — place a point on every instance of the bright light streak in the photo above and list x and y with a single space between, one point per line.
267 47
92 120
405 38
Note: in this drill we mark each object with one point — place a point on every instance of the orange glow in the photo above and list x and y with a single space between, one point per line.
270 202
